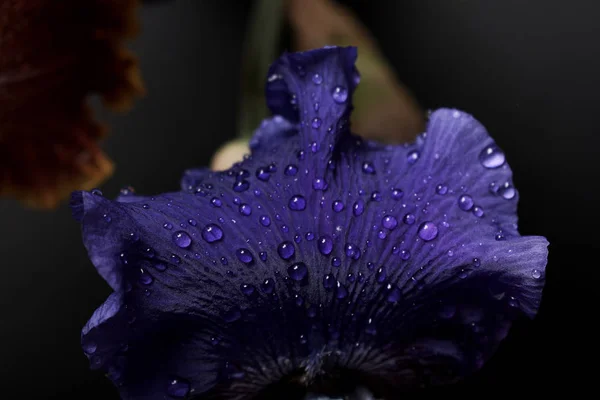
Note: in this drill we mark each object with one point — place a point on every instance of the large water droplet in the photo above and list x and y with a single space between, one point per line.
240 186
337 206
297 271
389 222
245 209
319 184
182 239
325 245
340 94
492 157
352 251
507 191
263 174
536 274
265 220
428 231
290 170
297 203
358 208
404 254
244 256
212 233
465 202
178 388
286 250
478 211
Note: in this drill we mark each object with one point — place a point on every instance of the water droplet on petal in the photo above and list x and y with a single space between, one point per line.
492 157
317 79
340 291
412 157
297 203
368 167
286 250
478 211
329 281
178 388
298 271
358 208
397 194
245 209
319 184
389 222
465 202
316 123
404 254
291 170
247 289
337 206
264 220
216 202
507 191
263 174
441 189
409 219
212 233
241 186
428 231
268 286
393 293
244 256
536 274
340 94
182 239
325 245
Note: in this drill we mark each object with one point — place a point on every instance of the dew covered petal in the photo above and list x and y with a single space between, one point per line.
380 266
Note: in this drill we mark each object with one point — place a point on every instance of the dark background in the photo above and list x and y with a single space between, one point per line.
527 69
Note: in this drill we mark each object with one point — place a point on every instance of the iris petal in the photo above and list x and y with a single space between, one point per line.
319 250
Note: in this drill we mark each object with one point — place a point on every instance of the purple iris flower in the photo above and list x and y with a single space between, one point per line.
319 256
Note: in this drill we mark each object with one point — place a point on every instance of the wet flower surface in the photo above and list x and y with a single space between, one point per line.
318 253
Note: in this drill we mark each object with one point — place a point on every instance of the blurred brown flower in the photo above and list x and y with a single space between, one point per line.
53 56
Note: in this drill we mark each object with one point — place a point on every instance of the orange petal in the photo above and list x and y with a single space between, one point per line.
384 109
53 56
